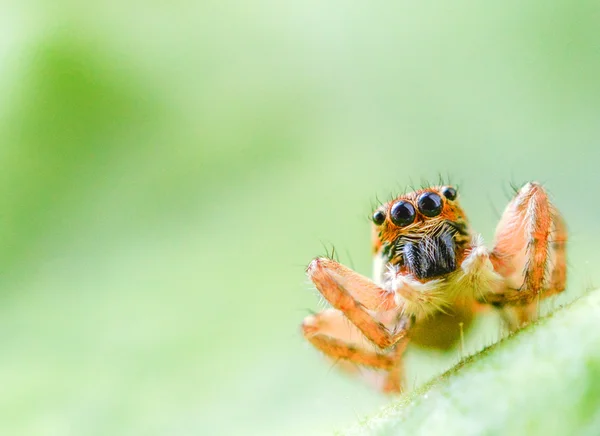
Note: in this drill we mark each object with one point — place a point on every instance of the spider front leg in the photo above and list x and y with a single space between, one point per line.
530 253
357 331
356 296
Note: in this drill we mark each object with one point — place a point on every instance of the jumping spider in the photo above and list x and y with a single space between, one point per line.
431 273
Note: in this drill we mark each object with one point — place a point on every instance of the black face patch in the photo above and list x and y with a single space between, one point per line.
430 256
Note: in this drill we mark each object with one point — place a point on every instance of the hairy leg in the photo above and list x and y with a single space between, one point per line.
331 333
529 252
516 317
558 250
477 273
358 298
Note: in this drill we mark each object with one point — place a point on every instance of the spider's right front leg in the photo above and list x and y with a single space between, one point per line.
357 298
355 331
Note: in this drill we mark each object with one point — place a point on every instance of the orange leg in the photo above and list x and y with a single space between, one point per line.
558 242
516 317
529 253
332 333
393 381
357 298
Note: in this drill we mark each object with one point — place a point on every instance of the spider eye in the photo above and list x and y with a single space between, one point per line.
430 204
379 217
449 192
402 213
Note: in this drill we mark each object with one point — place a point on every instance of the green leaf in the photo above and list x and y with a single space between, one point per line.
543 380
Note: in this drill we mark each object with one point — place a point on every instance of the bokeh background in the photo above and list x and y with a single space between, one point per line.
168 170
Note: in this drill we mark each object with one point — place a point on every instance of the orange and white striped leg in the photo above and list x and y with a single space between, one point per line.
530 253
330 332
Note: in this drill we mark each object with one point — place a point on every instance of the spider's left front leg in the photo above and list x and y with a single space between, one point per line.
530 253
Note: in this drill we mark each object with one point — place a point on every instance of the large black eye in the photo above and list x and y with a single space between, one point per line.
402 213
379 217
449 192
430 204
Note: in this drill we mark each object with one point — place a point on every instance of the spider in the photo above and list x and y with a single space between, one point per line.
431 273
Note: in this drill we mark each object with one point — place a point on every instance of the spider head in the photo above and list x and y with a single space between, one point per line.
423 232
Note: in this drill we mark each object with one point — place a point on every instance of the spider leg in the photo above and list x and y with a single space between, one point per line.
477 272
358 298
558 250
330 332
514 317
529 252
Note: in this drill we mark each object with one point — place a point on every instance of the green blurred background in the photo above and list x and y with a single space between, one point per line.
168 171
